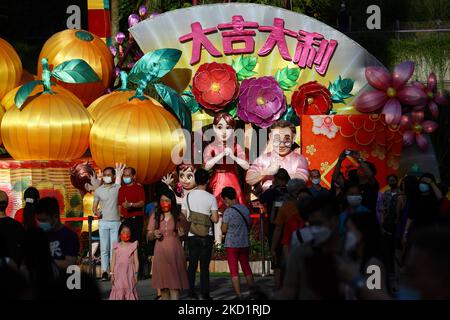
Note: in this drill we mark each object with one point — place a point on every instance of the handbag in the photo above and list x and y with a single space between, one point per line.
200 223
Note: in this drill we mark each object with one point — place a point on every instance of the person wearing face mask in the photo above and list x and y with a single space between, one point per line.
12 232
131 206
354 205
124 266
106 208
166 226
63 242
426 208
316 189
311 265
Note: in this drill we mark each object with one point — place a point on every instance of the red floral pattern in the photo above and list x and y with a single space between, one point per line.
311 98
215 85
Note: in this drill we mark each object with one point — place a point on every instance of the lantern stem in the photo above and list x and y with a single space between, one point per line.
123 80
143 83
46 75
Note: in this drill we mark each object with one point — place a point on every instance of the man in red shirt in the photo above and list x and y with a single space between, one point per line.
131 203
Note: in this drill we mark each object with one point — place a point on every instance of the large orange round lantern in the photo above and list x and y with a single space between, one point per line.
10 68
107 101
79 44
8 100
51 126
140 133
2 113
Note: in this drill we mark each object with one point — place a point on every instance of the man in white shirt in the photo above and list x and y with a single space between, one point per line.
200 248
105 207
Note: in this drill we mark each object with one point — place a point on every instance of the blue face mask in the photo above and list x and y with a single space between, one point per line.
46 226
127 180
423 187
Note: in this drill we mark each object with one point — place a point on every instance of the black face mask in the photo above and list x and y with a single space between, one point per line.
393 185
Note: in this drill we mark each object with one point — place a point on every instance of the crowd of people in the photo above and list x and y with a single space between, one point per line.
351 241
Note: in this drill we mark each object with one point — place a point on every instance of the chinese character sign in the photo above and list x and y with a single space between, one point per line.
277 38
312 48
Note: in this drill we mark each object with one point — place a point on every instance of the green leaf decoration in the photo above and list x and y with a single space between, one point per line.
3 151
190 101
291 116
24 92
157 63
341 89
287 78
232 109
244 67
75 71
176 103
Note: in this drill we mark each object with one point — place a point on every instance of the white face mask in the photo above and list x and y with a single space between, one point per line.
316 181
107 179
351 240
354 201
316 234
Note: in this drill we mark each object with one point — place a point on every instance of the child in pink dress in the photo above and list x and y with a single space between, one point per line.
124 266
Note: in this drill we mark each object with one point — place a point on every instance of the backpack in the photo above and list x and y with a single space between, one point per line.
200 223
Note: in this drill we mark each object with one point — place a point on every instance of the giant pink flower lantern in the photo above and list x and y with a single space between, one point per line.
415 129
391 92
434 97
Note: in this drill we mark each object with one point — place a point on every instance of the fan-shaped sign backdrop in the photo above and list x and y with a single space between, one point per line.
227 31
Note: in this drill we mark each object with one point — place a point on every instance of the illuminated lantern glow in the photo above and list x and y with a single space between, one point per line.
79 44
138 133
112 99
52 126
8 100
10 68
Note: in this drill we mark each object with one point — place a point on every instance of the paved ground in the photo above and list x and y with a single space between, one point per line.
221 288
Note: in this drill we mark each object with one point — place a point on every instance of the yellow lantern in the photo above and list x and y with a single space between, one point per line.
51 126
140 133
107 101
79 44
2 113
8 100
10 68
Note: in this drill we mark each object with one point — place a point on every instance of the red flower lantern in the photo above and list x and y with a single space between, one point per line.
311 98
215 85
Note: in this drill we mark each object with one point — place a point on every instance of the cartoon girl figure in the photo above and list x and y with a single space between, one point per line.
222 155
186 181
